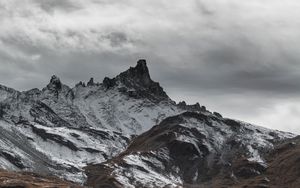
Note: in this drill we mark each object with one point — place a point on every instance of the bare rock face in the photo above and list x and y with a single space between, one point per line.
140 74
91 82
138 80
282 171
80 84
137 83
109 83
55 83
193 107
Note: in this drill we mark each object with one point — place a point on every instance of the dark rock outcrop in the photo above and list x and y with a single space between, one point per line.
82 84
55 83
56 138
109 83
13 159
218 114
91 82
139 81
193 107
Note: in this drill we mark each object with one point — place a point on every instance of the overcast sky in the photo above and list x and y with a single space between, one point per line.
238 57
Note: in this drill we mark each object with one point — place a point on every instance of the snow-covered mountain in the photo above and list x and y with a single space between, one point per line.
108 127
60 129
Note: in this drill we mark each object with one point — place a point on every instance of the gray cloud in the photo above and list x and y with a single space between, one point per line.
237 57
52 5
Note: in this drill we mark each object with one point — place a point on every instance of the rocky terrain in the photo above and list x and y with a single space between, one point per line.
190 150
59 130
283 167
127 132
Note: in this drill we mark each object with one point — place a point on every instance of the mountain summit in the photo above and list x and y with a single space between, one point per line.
54 83
137 82
137 75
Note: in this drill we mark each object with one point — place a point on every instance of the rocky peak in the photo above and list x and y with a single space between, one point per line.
142 71
108 83
7 89
192 107
137 75
56 88
82 84
91 82
6 92
55 83
137 79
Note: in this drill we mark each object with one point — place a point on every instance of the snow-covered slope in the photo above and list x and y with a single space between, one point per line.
189 149
61 151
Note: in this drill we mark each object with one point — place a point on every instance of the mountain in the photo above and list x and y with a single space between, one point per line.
59 130
283 167
191 149
127 132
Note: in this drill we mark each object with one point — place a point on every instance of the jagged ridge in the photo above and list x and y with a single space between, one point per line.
61 129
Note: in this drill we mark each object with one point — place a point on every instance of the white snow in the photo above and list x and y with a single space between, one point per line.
147 176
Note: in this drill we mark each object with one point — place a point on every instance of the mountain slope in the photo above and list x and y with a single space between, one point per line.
189 149
31 180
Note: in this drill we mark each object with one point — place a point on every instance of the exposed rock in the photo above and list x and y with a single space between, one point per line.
137 83
55 83
82 84
283 168
13 159
244 168
33 92
138 75
109 83
218 114
138 78
6 93
194 107
91 82
182 104
44 114
53 137
3 109
189 150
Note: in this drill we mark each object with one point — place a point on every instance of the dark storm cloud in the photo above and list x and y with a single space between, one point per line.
279 79
237 57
